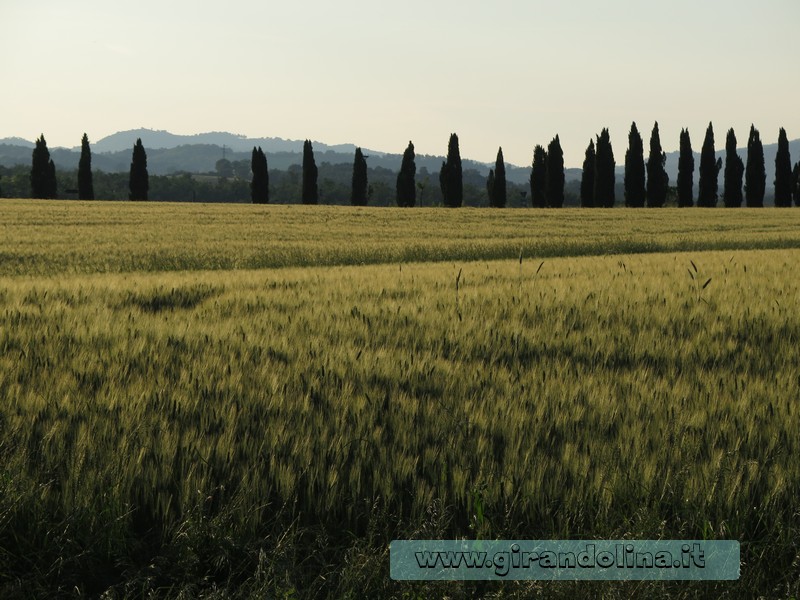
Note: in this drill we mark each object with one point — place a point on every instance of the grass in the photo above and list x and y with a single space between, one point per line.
233 432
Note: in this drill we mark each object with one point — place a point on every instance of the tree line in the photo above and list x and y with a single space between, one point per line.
646 182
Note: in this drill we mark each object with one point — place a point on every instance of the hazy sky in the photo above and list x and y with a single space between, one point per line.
510 73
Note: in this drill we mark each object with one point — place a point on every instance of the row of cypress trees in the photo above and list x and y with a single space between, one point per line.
645 183
43 172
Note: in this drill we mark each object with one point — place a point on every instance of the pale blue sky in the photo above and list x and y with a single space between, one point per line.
509 73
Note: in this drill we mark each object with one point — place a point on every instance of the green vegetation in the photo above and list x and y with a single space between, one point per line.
406 189
685 171
783 171
450 176
709 171
360 187
85 182
734 170
634 170
310 172
554 181
259 184
229 432
657 178
587 177
43 172
139 179
755 174
496 183
604 176
539 177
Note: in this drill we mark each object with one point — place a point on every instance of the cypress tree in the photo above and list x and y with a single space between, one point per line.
755 174
796 176
587 177
539 177
85 184
450 177
554 182
406 185
783 172
734 169
43 172
604 176
657 178
310 192
259 185
686 171
358 195
139 181
634 170
497 189
709 171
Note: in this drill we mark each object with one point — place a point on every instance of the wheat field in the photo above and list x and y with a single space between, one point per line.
213 401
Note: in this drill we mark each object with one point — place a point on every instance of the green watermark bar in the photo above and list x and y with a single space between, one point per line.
668 560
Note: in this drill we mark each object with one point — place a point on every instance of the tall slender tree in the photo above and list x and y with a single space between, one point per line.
783 171
43 172
497 189
406 185
554 181
634 169
85 184
139 181
490 187
755 173
539 177
734 169
604 175
657 178
450 177
358 195
587 177
796 188
709 171
259 185
685 171
310 191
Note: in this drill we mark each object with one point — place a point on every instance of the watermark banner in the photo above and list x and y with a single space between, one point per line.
669 560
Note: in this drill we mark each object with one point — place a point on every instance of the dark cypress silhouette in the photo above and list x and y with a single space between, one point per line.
259 185
634 169
490 187
406 185
734 169
539 177
709 171
139 182
755 173
85 184
43 172
783 172
497 188
685 171
450 177
587 177
796 188
310 192
358 195
604 175
554 182
657 178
